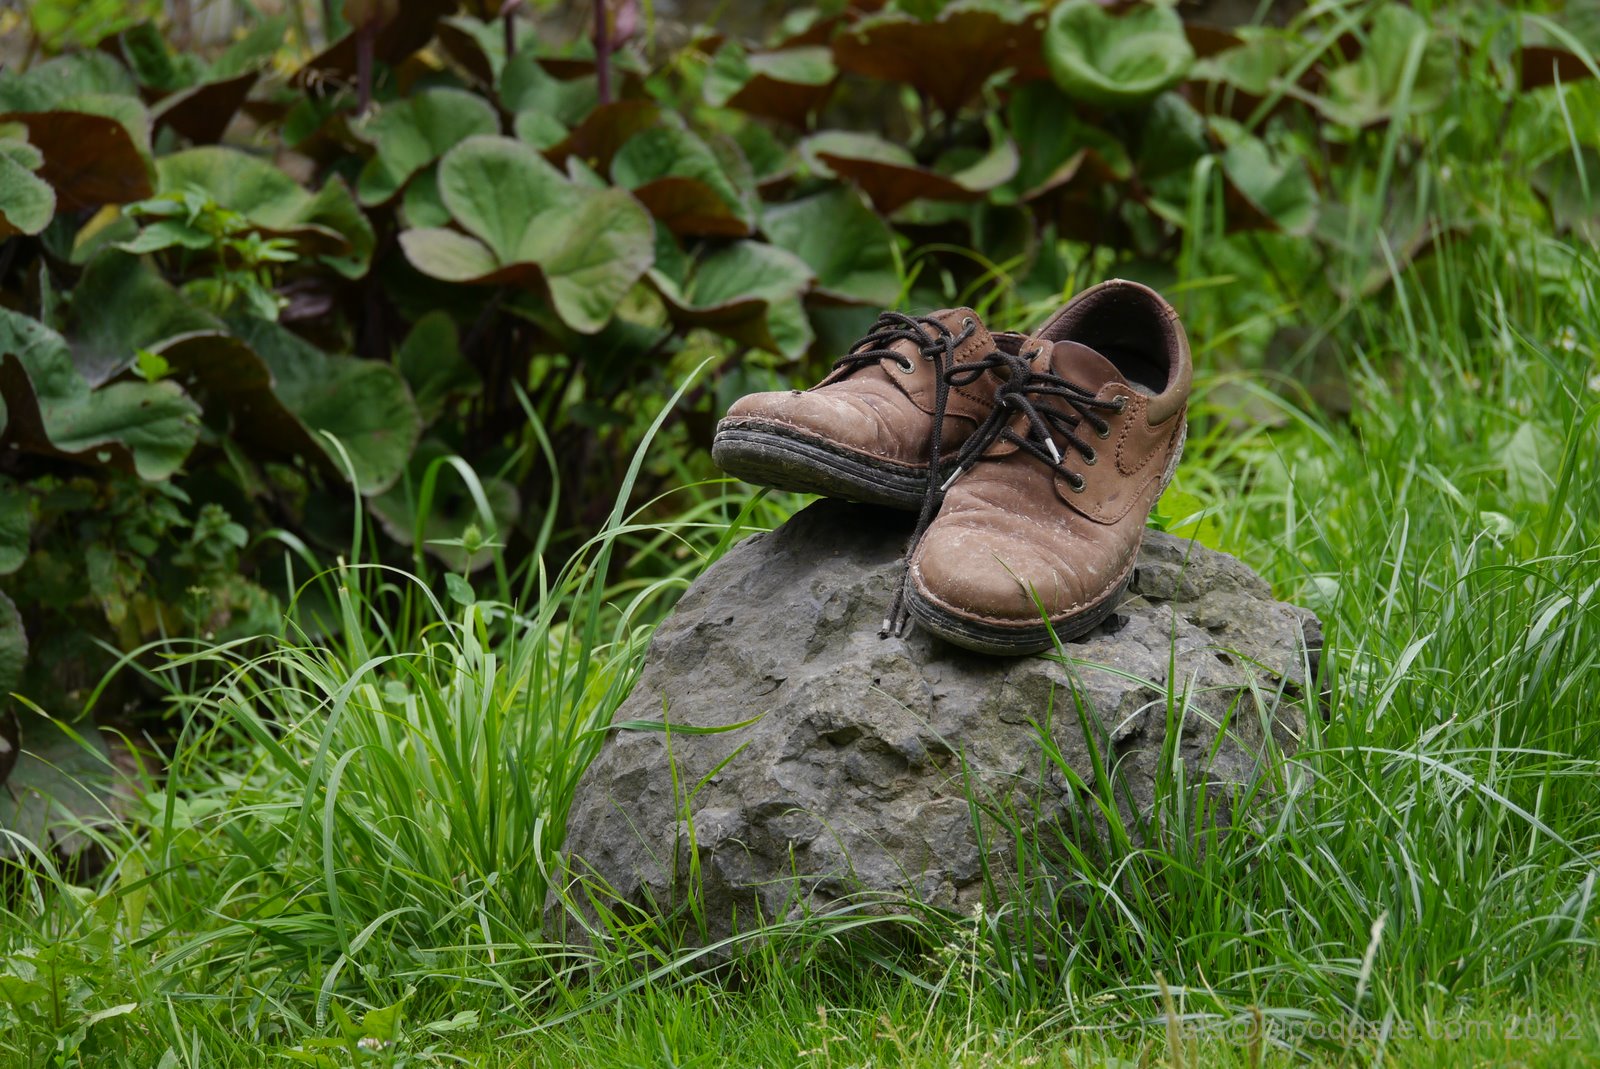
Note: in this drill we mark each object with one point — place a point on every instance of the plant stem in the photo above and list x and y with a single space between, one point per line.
602 50
508 13
183 24
366 39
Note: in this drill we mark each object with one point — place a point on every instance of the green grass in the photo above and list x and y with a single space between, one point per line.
366 820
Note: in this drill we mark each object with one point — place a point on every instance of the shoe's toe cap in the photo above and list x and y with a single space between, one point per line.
993 570
974 573
880 427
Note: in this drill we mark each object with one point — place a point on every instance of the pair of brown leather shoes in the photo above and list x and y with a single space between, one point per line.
1034 459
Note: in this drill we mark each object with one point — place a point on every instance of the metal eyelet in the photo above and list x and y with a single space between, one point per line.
905 365
1103 435
1079 485
967 321
1121 401
1091 457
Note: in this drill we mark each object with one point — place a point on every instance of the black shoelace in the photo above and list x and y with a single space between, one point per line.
938 344
1022 389
1017 393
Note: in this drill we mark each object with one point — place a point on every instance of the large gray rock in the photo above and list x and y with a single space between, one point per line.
850 779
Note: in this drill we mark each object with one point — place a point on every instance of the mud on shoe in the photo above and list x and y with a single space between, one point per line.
1042 518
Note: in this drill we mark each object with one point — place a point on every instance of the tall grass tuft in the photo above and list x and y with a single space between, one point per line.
362 813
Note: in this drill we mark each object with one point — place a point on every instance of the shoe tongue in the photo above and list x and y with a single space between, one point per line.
1083 366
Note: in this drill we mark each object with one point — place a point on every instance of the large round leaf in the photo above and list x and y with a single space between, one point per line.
788 85
46 407
422 206
1066 156
1371 89
845 243
251 52
1173 139
153 62
13 653
286 396
15 528
83 117
772 163
680 180
430 360
1371 250
748 291
10 741
1542 65
1569 182
202 112
235 383
480 46
456 257
63 778
27 203
1557 48
1079 195
195 99
328 222
891 177
527 87
1255 61
947 59
1244 71
90 160
529 225
410 27
1116 61
75 76
604 131
1266 191
119 306
412 133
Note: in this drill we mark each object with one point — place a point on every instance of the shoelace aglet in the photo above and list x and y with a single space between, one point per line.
1055 454
954 475
895 623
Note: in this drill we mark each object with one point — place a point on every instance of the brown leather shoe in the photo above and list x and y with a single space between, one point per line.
1042 519
867 431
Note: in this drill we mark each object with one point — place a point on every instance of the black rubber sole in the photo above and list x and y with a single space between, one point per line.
783 460
1010 641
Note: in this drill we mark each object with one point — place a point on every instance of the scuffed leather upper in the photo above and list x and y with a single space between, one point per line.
1012 522
882 412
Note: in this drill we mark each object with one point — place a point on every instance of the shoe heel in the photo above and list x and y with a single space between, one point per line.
1177 455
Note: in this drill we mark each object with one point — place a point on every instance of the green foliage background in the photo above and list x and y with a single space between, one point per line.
232 295
260 314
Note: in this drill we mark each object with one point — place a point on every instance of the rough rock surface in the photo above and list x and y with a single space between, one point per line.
849 781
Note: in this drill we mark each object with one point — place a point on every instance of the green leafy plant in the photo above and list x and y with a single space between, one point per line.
1116 60
313 280
244 261
528 225
28 202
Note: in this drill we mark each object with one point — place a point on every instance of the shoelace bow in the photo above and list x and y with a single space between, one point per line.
1022 389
